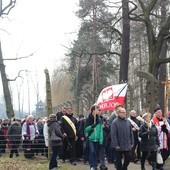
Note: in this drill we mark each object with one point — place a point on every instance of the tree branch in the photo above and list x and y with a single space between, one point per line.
151 6
101 53
16 76
163 61
142 5
136 17
117 31
164 31
18 58
8 8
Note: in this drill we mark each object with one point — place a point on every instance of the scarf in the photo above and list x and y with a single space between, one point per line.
28 128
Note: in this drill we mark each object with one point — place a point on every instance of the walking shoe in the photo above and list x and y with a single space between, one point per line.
136 160
73 163
11 155
17 154
54 168
103 167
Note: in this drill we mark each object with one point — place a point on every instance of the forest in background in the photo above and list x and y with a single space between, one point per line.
118 41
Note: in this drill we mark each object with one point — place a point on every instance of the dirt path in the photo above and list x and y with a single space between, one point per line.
132 166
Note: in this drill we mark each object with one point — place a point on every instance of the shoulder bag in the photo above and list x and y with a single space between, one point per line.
159 157
54 137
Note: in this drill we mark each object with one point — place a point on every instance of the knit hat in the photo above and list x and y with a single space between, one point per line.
157 108
146 115
52 116
17 119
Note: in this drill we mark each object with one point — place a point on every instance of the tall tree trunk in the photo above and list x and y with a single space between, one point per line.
124 59
77 92
95 67
7 95
163 73
141 79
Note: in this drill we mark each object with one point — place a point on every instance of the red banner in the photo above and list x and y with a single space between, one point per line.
111 95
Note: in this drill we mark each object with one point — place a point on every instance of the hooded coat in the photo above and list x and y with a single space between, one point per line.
53 125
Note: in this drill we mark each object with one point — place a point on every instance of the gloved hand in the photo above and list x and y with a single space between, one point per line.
26 137
164 129
117 148
93 125
148 132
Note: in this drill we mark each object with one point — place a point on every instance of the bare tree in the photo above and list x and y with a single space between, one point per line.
5 8
6 91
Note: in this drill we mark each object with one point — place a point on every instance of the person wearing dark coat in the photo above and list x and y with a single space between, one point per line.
80 138
68 125
1 141
61 113
40 142
94 135
135 157
14 136
122 139
149 141
4 128
111 151
53 126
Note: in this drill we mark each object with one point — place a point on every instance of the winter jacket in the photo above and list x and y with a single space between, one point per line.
66 128
149 137
40 128
53 125
94 134
163 137
14 132
122 134
135 133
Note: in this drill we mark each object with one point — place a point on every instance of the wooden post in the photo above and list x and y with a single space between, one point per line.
49 105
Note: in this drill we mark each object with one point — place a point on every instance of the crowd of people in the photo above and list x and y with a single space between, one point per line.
94 138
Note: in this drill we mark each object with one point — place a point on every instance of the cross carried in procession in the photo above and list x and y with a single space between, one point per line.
166 83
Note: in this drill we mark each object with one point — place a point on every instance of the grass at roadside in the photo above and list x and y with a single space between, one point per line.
20 163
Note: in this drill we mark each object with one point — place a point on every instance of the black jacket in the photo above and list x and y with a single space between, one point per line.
135 133
66 128
14 132
149 140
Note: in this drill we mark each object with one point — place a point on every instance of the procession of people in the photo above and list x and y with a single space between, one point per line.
93 138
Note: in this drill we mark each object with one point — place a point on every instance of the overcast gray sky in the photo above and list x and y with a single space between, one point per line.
32 25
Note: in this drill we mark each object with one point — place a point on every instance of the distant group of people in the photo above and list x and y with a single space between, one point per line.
120 138
26 135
